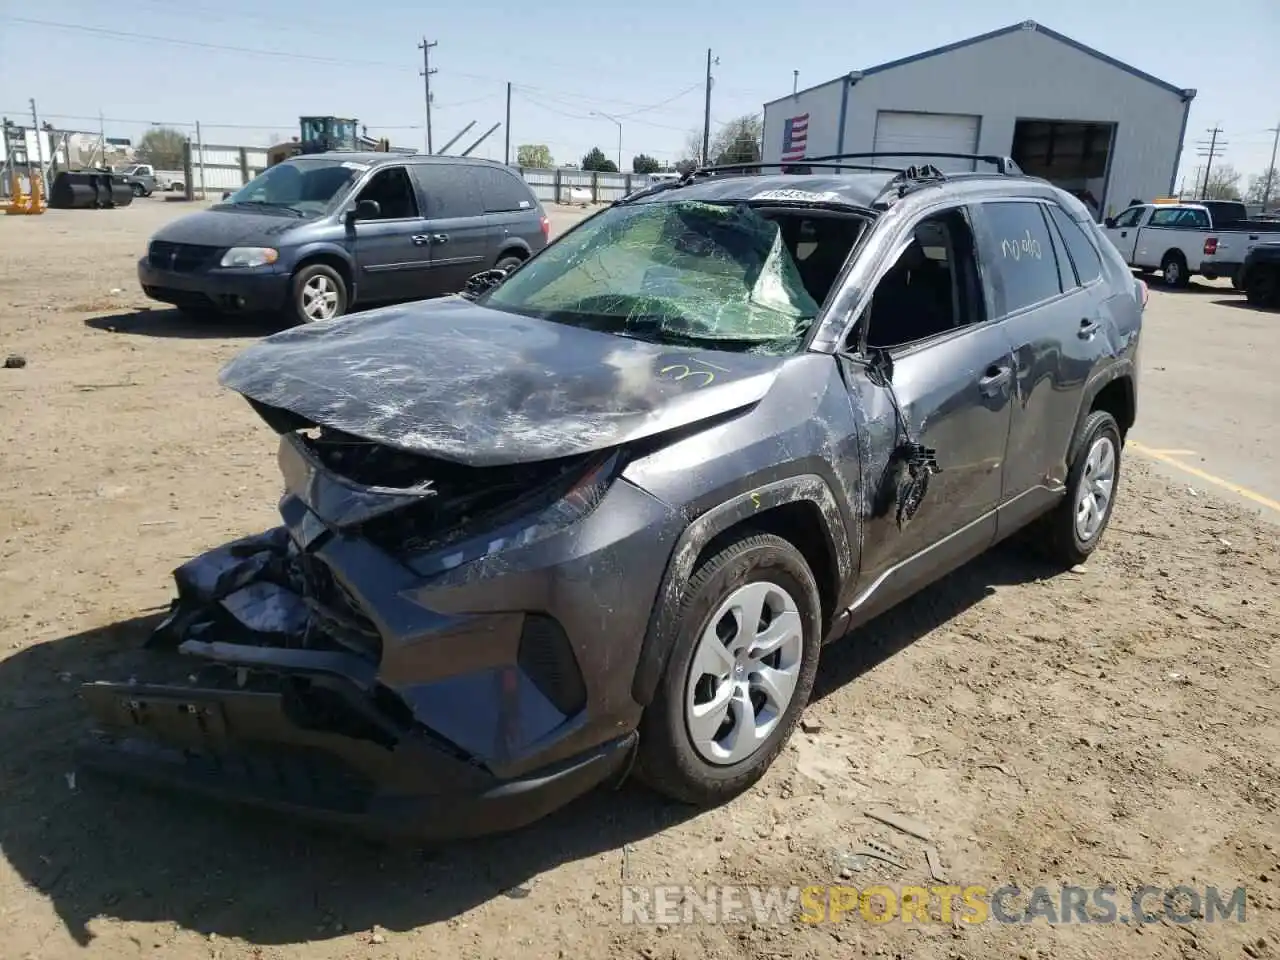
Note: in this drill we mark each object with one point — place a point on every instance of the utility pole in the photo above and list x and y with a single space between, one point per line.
1271 169
706 115
102 140
427 71
1209 151
506 152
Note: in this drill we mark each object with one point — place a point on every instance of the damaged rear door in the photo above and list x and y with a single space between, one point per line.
938 423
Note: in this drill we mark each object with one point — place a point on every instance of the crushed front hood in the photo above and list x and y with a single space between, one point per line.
457 381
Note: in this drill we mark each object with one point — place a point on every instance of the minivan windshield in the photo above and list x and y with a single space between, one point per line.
688 272
307 186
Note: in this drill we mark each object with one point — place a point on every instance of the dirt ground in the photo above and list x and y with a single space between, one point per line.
1117 724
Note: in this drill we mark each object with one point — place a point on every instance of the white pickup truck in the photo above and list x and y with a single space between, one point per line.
1184 239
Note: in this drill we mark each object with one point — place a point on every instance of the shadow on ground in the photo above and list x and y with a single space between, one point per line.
1240 303
98 848
1191 288
146 322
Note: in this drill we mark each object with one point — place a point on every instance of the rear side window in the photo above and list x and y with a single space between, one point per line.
1022 253
1084 255
449 190
500 191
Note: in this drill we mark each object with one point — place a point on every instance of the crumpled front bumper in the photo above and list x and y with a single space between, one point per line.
247 746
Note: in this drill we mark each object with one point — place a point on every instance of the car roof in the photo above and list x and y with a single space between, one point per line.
860 190
376 158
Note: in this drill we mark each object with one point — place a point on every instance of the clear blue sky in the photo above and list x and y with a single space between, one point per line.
641 62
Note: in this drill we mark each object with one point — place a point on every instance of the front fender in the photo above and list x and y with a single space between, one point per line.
663 621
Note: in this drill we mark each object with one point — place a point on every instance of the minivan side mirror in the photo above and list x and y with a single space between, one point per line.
367 210
1109 223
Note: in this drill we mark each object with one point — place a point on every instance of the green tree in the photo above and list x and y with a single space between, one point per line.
738 141
162 148
535 155
596 160
645 164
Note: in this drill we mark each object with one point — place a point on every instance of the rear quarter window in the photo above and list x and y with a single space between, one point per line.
501 191
1021 251
1084 255
449 190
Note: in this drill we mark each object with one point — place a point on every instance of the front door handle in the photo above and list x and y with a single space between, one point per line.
992 382
1087 328
420 240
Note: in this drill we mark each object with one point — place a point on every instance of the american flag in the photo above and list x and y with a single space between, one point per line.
795 137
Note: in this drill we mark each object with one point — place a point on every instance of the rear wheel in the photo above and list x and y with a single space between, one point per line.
137 190
739 675
1174 268
1072 531
1261 287
508 262
318 292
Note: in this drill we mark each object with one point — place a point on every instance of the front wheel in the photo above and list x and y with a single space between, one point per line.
318 292
137 190
739 675
1072 531
508 263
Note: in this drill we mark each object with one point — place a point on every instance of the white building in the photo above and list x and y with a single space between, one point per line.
1063 111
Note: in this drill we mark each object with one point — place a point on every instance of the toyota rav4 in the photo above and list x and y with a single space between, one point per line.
602 512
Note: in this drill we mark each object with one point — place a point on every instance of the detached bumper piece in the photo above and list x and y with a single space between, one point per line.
281 707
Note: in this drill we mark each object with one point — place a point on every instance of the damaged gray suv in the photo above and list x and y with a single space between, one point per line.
605 510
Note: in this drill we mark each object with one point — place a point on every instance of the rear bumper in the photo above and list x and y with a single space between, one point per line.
1220 268
248 291
261 748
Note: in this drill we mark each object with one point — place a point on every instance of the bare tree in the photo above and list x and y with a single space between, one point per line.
1258 184
738 141
1224 183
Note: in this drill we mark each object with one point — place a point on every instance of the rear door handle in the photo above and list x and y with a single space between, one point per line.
1087 328
992 382
439 238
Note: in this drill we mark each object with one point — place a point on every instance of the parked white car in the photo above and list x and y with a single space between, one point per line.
1184 239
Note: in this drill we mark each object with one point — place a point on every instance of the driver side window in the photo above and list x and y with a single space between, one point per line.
1129 218
392 191
932 288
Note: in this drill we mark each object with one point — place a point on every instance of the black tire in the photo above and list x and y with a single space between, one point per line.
1237 281
138 191
667 760
298 298
1060 538
508 262
1174 268
1261 287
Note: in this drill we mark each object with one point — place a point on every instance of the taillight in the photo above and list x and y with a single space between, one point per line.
546 229
1210 246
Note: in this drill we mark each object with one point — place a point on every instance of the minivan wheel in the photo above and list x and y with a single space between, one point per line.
1074 528
138 190
318 293
739 675
508 263
1174 269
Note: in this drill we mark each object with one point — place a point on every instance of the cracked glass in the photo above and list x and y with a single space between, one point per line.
680 271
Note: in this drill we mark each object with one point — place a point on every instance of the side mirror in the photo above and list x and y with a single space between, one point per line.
1109 223
368 210
483 282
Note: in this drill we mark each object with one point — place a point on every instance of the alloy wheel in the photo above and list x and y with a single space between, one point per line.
1095 489
320 298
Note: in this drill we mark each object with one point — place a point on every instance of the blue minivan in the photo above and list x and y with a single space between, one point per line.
317 236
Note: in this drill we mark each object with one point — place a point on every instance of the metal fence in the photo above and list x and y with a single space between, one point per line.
213 168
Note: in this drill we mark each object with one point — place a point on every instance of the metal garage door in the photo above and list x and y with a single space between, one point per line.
898 132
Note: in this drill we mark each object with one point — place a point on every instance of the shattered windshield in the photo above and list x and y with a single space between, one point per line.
683 271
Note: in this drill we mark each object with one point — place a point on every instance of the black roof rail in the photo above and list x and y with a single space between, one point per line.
732 167
1005 165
